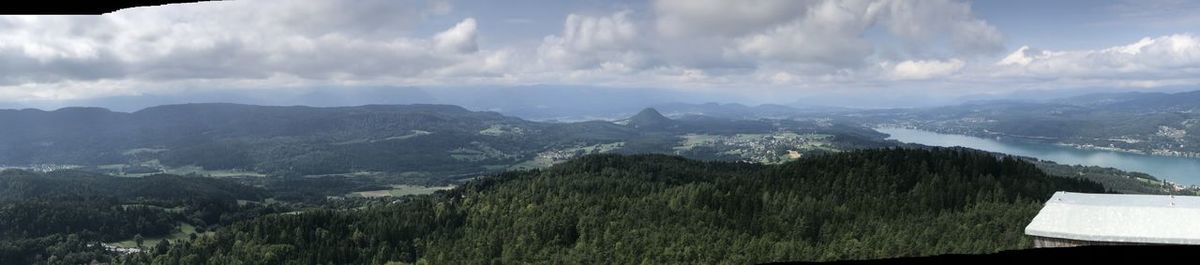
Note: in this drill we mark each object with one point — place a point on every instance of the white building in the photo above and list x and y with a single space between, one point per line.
1075 219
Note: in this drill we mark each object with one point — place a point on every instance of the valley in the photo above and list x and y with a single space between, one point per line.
667 209
413 143
341 165
1140 123
1171 173
418 132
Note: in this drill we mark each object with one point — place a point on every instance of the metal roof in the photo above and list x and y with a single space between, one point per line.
1161 219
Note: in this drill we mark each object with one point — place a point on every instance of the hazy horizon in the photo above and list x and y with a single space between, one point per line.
537 96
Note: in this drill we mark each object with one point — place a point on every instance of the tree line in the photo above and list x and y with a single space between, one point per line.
656 209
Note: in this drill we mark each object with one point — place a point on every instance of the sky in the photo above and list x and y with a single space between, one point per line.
859 53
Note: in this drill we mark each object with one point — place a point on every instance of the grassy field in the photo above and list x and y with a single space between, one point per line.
173 210
136 151
401 190
184 170
212 173
363 174
183 232
413 133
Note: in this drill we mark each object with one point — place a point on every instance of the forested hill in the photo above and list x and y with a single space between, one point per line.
18 185
655 209
61 217
230 136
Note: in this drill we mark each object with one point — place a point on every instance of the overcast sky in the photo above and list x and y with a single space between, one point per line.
760 51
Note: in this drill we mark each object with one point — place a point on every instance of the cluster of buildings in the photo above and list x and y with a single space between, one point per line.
41 167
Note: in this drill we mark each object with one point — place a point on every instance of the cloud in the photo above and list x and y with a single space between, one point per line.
931 21
829 33
245 44
925 69
768 47
1023 56
1172 56
459 39
238 40
677 18
593 41
364 18
705 42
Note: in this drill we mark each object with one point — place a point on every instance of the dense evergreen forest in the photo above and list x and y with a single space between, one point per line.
656 209
61 217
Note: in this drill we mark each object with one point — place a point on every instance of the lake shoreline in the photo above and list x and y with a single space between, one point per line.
1049 140
1177 171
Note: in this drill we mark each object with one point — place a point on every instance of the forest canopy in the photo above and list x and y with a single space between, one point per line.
657 209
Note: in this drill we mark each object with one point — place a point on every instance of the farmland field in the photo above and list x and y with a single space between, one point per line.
402 190
184 231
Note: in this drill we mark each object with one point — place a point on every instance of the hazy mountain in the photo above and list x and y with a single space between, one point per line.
1101 98
536 102
649 119
740 111
428 139
1157 123
274 139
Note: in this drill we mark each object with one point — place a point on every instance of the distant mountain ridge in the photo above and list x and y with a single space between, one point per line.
1135 101
1149 123
740 111
532 102
233 136
649 118
298 140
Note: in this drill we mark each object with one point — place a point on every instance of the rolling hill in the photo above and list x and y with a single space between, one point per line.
657 209
422 141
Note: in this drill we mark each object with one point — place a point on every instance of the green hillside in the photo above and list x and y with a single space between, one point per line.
656 209
61 217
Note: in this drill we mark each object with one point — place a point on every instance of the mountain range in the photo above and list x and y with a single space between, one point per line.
298 140
1150 123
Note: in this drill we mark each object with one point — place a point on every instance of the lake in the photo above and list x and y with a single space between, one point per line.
1180 170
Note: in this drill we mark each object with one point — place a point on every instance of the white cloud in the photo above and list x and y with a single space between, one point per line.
591 41
925 69
783 45
459 39
678 18
829 33
678 43
237 40
923 21
585 33
1023 56
1173 56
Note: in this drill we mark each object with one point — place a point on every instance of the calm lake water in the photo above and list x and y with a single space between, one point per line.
1175 169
